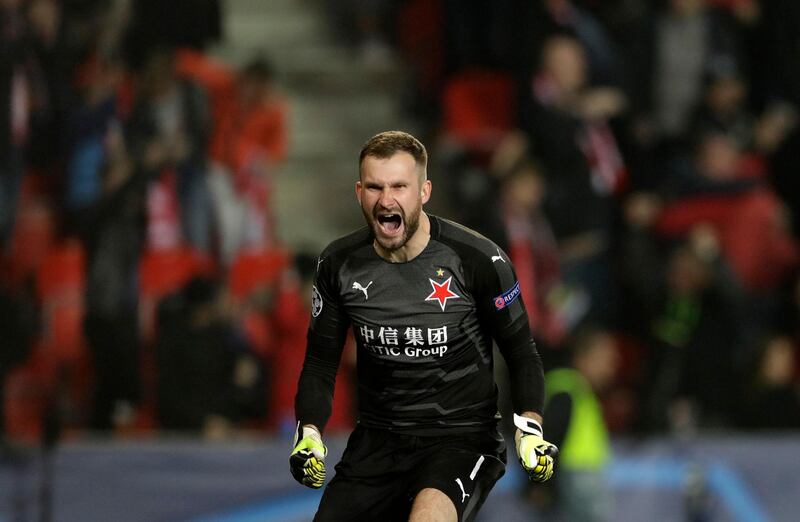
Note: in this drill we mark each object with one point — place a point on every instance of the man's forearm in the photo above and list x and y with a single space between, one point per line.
314 398
526 375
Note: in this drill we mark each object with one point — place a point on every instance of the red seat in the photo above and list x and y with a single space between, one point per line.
161 272
252 270
33 235
479 107
28 388
62 286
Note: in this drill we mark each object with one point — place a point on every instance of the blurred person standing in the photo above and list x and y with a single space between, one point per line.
16 76
553 309
112 230
49 43
696 331
207 377
91 120
249 143
175 111
19 323
688 37
425 297
771 400
575 419
567 123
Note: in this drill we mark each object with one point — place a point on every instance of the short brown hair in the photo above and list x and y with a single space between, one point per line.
387 144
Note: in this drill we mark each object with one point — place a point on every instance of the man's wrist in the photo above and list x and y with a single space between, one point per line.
528 425
303 431
311 430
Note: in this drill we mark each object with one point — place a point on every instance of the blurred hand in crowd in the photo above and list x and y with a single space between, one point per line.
642 209
773 127
602 103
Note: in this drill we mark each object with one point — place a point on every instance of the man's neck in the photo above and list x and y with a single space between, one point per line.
413 247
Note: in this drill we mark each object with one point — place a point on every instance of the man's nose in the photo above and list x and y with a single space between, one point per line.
386 199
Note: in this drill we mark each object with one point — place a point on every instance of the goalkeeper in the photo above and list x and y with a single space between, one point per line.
425 299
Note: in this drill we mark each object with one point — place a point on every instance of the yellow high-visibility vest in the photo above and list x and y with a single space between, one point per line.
586 444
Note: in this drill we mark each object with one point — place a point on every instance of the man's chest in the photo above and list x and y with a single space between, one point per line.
428 288
407 311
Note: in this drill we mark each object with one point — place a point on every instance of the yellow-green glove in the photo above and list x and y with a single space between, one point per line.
307 461
535 454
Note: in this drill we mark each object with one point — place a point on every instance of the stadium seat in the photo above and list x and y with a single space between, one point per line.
478 109
28 387
252 270
61 284
32 237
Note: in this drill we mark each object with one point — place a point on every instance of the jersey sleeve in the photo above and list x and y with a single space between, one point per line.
501 308
325 341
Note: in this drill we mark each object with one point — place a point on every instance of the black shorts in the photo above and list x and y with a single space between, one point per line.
381 472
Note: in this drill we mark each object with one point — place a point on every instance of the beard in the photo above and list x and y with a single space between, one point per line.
409 222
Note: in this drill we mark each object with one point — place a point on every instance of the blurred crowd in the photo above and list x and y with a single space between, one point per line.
143 283
636 159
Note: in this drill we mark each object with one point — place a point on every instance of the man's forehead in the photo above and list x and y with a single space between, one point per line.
400 164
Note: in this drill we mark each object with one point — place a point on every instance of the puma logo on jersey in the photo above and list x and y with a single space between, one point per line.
464 494
357 286
498 257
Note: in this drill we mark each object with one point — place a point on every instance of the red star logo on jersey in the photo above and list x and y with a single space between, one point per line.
441 292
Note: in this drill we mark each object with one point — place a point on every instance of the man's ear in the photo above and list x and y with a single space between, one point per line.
358 191
425 192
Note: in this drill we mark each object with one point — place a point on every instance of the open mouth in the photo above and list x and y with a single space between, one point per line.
390 222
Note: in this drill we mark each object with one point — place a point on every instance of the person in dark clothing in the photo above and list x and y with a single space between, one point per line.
425 297
201 365
16 72
18 326
695 331
175 112
566 119
112 231
772 400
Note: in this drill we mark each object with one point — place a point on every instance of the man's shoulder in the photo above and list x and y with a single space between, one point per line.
464 240
340 248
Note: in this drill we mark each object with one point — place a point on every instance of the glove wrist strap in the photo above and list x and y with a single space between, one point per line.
529 426
302 432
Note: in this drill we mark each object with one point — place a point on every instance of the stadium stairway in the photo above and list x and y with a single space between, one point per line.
336 101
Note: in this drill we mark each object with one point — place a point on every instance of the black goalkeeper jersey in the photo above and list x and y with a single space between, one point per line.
423 330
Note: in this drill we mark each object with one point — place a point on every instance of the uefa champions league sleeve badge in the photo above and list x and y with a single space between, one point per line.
316 302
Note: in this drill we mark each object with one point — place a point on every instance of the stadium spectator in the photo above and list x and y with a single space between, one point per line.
772 398
249 143
112 231
89 123
18 327
207 378
175 111
579 492
50 99
567 123
695 326
553 309
17 68
687 38
721 188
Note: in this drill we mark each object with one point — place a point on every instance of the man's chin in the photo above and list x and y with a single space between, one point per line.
391 244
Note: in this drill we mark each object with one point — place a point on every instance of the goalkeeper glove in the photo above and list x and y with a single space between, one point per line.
535 454
307 461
